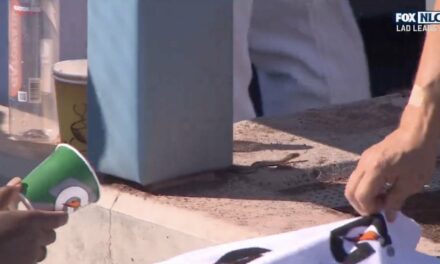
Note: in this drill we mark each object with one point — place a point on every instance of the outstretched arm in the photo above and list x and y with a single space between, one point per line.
400 165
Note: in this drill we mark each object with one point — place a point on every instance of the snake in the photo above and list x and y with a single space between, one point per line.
263 164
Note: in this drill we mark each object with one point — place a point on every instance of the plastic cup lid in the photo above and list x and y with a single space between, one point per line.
71 71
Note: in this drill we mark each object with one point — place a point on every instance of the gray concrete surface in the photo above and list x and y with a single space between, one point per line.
123 228
145 225
96 236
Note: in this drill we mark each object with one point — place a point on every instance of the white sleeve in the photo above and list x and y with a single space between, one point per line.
242 70
308 54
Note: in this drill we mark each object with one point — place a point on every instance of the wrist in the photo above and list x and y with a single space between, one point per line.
426 96
422 113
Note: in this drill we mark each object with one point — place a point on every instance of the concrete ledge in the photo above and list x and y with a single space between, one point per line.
100 235
131 224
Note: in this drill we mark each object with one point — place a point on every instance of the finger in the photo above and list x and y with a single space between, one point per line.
14 182
13 205
17 183
42 254
8 195
47 237
369 191
48 220
350 188
395 199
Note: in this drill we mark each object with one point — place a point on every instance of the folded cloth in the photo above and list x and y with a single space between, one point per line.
365 240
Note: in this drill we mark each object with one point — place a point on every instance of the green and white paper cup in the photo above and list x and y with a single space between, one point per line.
64 181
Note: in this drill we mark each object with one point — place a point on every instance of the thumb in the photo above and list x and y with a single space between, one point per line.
8 196
14 182
394 200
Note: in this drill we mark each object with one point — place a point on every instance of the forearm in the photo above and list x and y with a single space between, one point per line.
422 113
429 67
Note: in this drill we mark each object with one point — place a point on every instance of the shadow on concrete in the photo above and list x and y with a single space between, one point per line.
322 185
351 127
251 146
285 183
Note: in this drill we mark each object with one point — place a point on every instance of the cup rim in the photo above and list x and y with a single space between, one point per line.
70 81
85 161
26 202
72 76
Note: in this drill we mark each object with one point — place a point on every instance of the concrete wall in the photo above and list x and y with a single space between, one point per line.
73 37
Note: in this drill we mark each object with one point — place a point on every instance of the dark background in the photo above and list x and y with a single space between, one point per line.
392 56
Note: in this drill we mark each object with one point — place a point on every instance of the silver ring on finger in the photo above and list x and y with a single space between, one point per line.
387 186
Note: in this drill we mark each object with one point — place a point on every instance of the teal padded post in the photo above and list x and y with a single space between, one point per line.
160 87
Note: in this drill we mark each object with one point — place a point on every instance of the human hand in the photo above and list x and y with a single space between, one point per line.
24 235
12 197
404 160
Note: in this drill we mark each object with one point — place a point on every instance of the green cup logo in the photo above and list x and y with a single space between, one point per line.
65 181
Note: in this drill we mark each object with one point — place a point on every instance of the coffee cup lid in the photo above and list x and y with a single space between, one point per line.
71 71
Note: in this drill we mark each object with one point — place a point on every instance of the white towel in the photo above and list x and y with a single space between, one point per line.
367 240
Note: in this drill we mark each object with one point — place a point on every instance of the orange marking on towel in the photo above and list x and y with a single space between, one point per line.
369 236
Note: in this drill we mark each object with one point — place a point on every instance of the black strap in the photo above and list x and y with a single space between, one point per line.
362 252
242 256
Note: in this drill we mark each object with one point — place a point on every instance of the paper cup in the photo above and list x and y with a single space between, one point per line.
71 92
64 181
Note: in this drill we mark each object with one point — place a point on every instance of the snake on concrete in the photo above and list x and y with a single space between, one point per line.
263 164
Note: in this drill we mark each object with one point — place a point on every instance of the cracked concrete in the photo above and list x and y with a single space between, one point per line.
84 240
114 231
110 254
